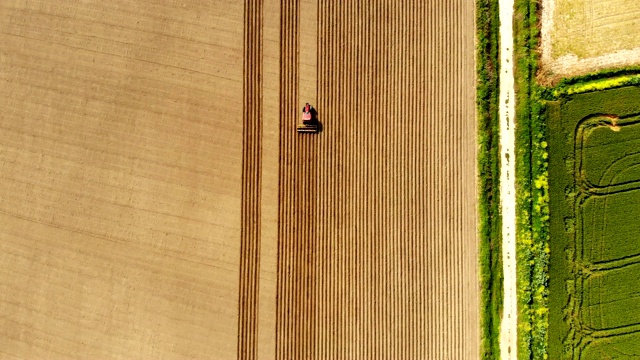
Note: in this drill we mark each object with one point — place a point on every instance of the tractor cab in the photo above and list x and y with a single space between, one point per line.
309 121
307 116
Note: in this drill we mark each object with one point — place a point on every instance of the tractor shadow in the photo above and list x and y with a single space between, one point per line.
314 114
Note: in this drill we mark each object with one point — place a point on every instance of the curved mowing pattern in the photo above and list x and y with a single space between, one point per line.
600 176
377 223
605 262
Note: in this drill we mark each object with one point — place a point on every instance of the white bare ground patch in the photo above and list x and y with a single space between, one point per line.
509 324
569 65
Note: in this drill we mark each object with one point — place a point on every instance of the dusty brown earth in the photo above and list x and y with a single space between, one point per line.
582 36
377 239
156 201
120 166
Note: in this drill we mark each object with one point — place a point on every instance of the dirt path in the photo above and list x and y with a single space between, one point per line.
508 329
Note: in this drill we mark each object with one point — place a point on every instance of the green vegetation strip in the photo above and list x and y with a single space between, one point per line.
553 276
603 80
489 172
532 188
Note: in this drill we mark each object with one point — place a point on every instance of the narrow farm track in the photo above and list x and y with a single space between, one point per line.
377 248
509 323
507 114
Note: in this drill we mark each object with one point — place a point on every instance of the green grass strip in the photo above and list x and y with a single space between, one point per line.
489 174
532 212
532 173
596 85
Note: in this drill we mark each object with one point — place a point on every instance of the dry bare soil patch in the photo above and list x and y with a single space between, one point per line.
120 168
580 36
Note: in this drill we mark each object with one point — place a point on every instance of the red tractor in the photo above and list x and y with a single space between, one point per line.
309 121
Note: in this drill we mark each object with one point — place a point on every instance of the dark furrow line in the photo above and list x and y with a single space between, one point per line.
386 314
344 238
251 183
328 188
352 118
323 206
375 266
446 193
401 209
332 351
429 180
295 204
417 246
325 219
420 247
439 118
364 100
352 122
458 216
284 202
407 273
411 279
299 207
452 283
320 203
337 236
342 186
396 143
459 280
286 193
317 228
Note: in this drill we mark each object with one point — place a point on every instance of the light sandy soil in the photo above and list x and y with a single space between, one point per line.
128 160
120 164
583 36
509 324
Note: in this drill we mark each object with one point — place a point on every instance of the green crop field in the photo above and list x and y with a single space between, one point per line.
594 171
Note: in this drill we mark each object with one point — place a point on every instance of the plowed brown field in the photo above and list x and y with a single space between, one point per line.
120 172
156 201
377 250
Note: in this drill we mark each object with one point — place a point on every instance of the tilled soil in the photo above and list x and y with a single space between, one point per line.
377 236
120 163
156 200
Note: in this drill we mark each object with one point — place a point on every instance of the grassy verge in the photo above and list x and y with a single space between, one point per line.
489 173
603 80
532 228
532 166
